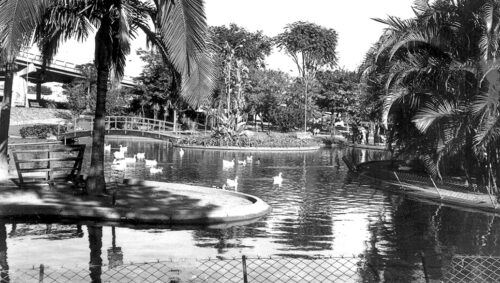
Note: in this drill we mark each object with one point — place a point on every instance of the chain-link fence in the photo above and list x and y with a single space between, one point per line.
244 269
473 269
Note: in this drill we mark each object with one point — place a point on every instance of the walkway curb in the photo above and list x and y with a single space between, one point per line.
137 202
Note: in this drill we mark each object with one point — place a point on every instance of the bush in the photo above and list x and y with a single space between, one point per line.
40 131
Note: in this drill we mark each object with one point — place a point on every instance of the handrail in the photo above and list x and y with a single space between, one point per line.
124 123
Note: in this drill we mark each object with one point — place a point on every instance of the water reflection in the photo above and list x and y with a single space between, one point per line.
95 245
320 209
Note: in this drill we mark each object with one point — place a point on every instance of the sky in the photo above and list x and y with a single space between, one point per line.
351 19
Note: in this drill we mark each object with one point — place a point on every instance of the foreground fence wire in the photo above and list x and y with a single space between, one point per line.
473 269
244 269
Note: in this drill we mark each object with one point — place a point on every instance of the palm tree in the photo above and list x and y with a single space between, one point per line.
180 32
440 72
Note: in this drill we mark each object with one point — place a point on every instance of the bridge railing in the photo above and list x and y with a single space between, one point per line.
125 123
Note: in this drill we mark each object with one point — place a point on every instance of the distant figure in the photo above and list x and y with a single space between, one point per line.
249 159
181 152
277 180
258 161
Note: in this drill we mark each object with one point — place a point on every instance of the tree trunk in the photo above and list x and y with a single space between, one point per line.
305 105
4 265
5 121
96 183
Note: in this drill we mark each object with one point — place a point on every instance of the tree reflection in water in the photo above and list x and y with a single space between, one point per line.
4 266
95 245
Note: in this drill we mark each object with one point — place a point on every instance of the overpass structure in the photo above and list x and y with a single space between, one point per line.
58 71
29 70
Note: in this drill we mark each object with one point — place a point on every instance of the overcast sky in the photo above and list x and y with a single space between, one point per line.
351 19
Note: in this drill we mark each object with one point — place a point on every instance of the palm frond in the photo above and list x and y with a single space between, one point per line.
432 112
18 20
183 28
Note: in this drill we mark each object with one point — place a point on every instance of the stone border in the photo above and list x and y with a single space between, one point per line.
24 204
236 148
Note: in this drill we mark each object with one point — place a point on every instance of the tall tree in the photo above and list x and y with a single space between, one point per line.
238 52
311 48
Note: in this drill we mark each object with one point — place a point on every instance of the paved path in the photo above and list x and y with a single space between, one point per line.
136 202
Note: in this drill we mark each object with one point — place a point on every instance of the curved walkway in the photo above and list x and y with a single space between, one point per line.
140 203
237 148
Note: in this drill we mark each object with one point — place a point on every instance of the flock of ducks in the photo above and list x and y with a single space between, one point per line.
233 183
120 162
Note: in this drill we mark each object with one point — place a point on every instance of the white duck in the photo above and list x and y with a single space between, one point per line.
130 159
242 162
107 147
119 154
227 163
140 155
232 183
181 152
277 180
151 163
123 148
250 159
155 170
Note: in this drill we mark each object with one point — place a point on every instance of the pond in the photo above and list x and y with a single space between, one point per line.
320 210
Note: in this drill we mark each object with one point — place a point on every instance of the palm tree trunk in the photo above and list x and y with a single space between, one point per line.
96 183
5 121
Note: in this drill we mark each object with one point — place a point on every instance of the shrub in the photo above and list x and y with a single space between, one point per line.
40 131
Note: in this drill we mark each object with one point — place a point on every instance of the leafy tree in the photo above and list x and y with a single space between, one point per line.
339 92
238 52
158 84
266 91
311 48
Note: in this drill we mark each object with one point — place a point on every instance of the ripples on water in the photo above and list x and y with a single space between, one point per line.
320 209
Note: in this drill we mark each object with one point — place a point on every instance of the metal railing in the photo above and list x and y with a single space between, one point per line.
244 269
124 123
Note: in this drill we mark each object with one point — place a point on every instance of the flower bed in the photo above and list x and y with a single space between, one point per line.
276 140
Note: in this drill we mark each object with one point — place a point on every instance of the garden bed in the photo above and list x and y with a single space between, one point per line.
257 141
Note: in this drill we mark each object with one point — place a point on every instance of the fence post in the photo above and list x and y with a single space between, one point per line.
426 276
41 274
439 193
244 262
400 184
